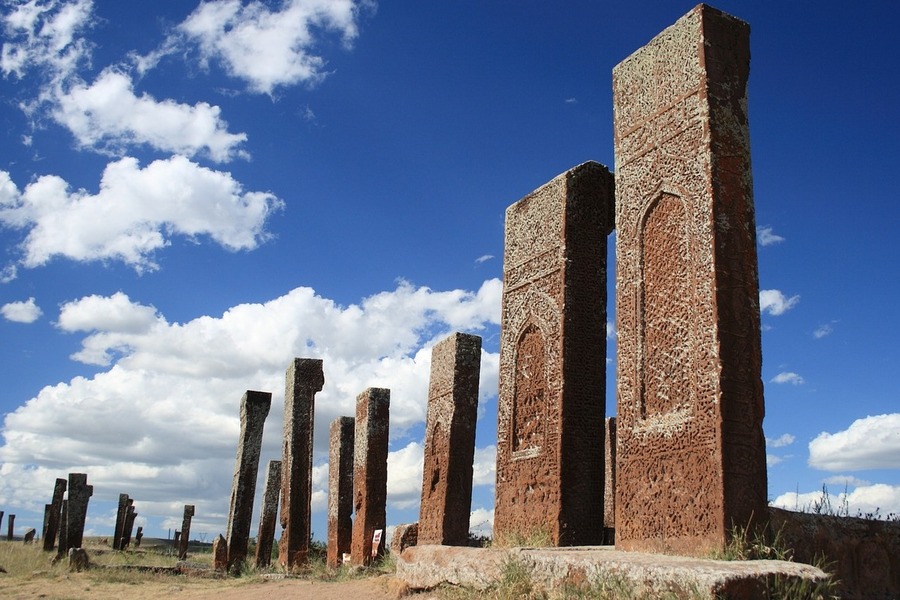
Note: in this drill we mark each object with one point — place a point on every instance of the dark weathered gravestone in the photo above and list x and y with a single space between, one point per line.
405 535
28 538
303 379
53 518
185 531
691 452
450 441
370 474
268 514
609 483
138 536
553 360
121 513
63 548
79 495
254 409
130 515
11 521
340 490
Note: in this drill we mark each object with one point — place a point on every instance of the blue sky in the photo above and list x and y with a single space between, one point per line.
192 194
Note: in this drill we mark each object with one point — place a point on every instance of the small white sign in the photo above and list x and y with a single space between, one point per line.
376 542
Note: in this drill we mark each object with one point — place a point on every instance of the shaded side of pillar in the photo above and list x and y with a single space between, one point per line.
79 495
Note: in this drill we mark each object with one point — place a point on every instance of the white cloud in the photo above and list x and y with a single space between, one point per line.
135 213
484 466
107 115
269 48
481 521
845 480
484 258
823 330
767 237
788 377
869 443
160 423
772 460
781 441
879 498
776 303
44 35
26 311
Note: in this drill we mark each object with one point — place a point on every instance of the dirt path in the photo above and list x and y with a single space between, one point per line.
81 586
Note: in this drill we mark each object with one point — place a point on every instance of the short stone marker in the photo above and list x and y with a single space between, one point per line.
691 451
268 515
220 553
138 536
551 402
369 473
340 490
405 535
304 377
78 559
28 538
254 409
450 441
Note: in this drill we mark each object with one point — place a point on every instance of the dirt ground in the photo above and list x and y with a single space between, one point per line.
82 586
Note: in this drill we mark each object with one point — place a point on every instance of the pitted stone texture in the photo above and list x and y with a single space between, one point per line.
340 490
370 473
552 359
650 575
268 515
304 377
691 452
220 553
863 554
254 410
450 441
53 516
79 495
405 535
185 531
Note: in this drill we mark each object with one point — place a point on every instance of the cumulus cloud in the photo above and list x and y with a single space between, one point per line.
269 48
481 521
26 311
766 236
879 498
109 116
845 480
134 213
160 420
788 377
869 443
775 302
45 35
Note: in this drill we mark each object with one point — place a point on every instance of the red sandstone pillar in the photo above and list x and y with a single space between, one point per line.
303 379
450 441
340 490
691 461
370 473
552 402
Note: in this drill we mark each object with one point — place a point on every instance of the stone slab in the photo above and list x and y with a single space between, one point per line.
424 567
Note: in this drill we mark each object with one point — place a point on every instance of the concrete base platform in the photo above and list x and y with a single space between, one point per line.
604 568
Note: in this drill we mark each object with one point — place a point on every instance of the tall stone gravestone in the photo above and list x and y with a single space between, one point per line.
303 379
268 515
340 490
187 516
79 495
450 441
691 461
553 360
370 474
254 410
49 536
